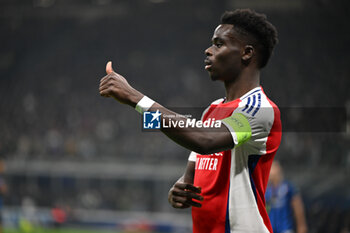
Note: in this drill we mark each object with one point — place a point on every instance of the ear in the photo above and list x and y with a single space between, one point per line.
247 53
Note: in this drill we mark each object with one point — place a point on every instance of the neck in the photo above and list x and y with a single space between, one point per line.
246 81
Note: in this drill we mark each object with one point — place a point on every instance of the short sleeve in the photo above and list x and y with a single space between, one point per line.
192 157
293 190
251 125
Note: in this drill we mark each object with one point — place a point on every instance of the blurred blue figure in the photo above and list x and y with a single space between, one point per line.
284 204
3 191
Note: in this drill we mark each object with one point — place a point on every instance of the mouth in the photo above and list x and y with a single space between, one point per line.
207 63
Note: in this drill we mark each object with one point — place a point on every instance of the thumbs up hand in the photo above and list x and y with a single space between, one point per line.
114 85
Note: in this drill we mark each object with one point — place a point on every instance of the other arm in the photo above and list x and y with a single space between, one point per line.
299 214
183 193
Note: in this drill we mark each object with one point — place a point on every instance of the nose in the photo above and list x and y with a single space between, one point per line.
208 52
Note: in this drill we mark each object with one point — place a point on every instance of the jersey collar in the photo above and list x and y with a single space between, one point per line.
252 91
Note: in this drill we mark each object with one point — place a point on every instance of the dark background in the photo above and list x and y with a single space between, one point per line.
53 54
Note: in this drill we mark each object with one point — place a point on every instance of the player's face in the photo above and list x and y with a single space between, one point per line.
223 61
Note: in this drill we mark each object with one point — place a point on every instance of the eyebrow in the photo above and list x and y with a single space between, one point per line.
215 39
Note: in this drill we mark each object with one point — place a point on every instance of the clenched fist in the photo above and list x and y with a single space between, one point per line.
182 195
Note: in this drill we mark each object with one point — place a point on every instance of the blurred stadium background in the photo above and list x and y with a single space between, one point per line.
64 146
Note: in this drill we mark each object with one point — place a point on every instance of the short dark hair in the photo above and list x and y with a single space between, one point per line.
256 29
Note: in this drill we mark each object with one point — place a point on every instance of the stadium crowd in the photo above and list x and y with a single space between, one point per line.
51 109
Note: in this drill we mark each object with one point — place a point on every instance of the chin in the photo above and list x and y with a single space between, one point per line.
213 77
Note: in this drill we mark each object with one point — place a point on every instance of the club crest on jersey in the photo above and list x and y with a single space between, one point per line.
151 120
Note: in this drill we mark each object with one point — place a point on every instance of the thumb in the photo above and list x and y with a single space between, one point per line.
109 68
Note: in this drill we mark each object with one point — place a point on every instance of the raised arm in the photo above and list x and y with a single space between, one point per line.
201 140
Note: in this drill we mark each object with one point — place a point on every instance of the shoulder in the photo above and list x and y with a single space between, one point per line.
258 108
264 119
257 102
212 104
292 189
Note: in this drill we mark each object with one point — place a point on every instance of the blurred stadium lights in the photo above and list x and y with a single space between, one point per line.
90 170
105 219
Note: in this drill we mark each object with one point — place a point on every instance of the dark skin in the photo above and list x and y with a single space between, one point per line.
229 60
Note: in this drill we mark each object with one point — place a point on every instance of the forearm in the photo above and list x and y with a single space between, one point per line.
299 214
199 139
188 175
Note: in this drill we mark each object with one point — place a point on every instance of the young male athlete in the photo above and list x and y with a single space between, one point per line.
228 170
